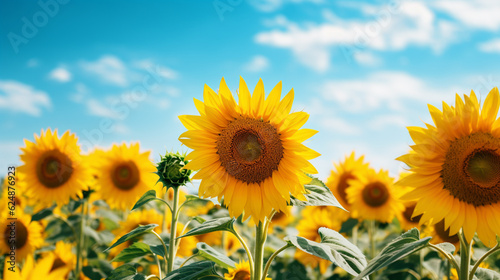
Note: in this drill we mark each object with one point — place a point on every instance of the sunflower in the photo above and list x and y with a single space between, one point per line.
28 235
53 168
40 270
440 234
406 219
313 218
372 197
456 164
63 256
241 272
249 152
124 174
341 176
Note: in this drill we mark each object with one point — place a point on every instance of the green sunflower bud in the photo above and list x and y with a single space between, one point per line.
170 170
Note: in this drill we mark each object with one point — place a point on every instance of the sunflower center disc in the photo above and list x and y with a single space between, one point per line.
54 169
242 275
125 176
250 149
57 264
409 212
471 170
445 234
343 185
21 235
375 194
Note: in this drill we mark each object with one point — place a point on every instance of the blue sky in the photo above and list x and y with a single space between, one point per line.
123 71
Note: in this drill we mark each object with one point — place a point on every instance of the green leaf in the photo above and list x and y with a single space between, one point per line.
147 197
192 271
211 254
222 224
136 250
191 197
318 194
134 233
348 225
335 248
125 272
92 273
92 233
447 247
42 214
486 274
404 245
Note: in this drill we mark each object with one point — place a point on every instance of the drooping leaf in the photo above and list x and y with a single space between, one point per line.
147 197
486 274
134 233
335 248
211 254
192 271
447 247
318 194
42 214
404 245
126 272
136 250
221 224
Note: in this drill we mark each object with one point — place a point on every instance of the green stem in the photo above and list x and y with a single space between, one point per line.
153 276
159 266
173 231
79 247
274 255
190 257
449 257
245 246
355 235
260 240
465 255
164 247
371 234
476 265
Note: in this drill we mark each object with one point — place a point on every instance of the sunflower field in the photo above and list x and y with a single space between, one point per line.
259 211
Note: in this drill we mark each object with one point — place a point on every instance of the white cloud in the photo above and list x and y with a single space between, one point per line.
480 14
109 69
412 23
384 88
381 122
19 97
80 93
60 74
162 71
367 58
273 5
258 63
96 108
32 63
339 125
490 46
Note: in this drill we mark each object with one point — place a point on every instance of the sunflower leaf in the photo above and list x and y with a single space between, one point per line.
126 272
486 274
136 250
134 233
318 194
221 224
147 197
211 254
192 271
348 225
333 247
447 247
42 214
404 245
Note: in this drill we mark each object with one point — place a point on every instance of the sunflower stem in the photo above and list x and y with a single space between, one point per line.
483 257
371 234
79 246
173 230
449 257
159 266
355 235
260 241
164 248
245 246
274 255
465 256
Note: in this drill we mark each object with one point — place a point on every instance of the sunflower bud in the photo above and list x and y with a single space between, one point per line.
170 170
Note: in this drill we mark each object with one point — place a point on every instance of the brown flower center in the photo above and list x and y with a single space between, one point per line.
471 170
250 149
242 275
57 264
343 185
54 168
21 236
278 216
409 212
445 234
375 194
125 175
